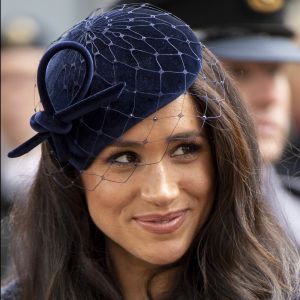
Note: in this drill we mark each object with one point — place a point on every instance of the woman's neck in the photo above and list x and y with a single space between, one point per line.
133 275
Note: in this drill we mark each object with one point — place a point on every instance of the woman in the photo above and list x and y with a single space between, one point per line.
149 183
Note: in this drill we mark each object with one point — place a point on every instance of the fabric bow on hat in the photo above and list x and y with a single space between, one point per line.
49 123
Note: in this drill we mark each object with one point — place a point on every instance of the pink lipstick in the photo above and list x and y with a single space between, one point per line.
161 224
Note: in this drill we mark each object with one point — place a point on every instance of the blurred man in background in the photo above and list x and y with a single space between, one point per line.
255 45
251 39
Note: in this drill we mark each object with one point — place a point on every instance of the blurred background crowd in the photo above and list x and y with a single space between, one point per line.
29 26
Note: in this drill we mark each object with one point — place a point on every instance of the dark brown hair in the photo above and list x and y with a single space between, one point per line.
240 253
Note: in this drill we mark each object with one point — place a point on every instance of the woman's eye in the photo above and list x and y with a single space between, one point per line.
124 158
186 150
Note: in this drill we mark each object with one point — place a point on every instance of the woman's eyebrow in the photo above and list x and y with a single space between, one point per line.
179 136
125 144
186 135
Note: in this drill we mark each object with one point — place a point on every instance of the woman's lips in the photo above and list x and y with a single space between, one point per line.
161 224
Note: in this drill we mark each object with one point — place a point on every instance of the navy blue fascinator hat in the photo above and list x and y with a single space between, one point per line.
106 74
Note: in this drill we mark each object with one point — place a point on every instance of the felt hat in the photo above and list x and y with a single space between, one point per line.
106 74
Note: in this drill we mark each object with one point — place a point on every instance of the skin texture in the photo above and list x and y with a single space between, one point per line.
266 91
182 180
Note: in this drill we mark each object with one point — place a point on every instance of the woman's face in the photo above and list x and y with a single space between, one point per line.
155 214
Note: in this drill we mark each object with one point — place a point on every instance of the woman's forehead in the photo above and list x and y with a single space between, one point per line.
179 116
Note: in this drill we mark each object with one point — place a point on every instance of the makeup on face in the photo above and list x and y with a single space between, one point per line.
154 215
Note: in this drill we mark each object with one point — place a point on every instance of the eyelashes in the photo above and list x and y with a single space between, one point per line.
183 152
124 158
186 149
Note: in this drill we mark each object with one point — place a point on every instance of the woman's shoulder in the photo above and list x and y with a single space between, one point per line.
11 291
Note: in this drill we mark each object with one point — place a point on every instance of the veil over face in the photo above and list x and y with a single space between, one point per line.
155 216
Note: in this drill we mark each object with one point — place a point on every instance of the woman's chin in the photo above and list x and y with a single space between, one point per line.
162 258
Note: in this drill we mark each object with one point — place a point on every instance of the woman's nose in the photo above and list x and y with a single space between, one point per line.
159 186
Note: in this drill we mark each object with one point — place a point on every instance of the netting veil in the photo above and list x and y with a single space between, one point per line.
108 73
